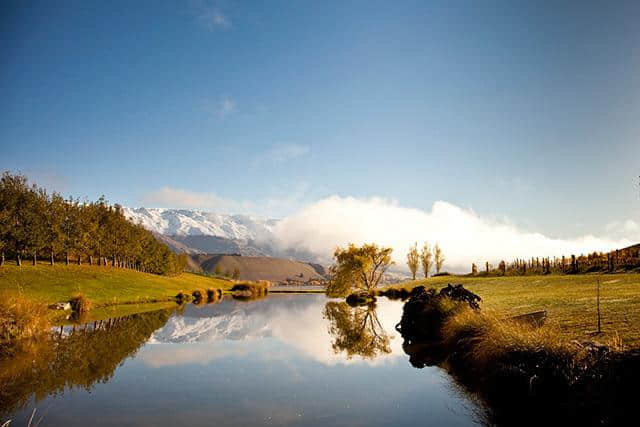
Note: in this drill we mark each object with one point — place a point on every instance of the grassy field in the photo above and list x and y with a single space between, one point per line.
570 301
104 286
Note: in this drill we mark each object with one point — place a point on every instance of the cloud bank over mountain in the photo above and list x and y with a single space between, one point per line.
464 236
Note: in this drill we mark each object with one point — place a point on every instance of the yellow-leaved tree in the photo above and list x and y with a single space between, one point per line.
413 259
360 267
425 258
438 257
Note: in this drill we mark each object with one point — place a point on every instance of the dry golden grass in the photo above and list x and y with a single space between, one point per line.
570 302
21 318
213 295
80 304
253 289
198 295
487 337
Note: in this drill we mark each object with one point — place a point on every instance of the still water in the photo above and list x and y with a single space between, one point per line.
301 360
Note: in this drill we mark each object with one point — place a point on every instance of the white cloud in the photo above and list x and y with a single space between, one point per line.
279 204
212 17
163 355
629 229
168 197
226 107
220 20
464 236
281 153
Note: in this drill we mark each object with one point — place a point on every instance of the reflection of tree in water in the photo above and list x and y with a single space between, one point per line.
356 330
90 354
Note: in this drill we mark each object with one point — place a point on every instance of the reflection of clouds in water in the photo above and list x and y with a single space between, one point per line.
297 322
162 355
237 325
308 333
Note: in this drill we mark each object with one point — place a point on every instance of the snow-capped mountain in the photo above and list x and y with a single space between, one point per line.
180 222
199 232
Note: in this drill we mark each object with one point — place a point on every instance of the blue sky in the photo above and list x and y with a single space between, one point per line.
520 110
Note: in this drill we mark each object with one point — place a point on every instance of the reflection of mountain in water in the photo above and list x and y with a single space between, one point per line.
294 320
231 319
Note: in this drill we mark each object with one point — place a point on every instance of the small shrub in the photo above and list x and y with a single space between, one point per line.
198 295
214 295
80 303
360 298
253 290
182 297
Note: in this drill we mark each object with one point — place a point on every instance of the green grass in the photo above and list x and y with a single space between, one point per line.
570 301
102 285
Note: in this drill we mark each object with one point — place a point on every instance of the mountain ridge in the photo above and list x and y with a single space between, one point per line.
200 232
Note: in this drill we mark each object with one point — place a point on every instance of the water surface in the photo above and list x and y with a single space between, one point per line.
301 360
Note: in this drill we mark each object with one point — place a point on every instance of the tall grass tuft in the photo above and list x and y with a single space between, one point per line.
182 297
252 290
20 318
198 296
485 340
80 303
214 295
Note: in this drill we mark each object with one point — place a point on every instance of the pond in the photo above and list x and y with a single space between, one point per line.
288 359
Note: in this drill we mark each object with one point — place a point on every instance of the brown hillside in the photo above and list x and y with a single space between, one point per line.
258 267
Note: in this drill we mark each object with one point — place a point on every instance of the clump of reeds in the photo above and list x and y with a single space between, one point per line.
182 297
198 296
214 295
252 290
21 318
360 298
80 303
492 336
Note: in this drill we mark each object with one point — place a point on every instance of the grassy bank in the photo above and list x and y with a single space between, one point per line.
104 286
570 301
518 373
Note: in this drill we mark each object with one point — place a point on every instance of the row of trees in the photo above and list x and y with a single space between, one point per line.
34 224
425 258
620 259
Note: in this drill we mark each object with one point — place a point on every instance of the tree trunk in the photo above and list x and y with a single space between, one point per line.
2 259
66 261
19 261
90 260
113 261
79 259
51 262
35 260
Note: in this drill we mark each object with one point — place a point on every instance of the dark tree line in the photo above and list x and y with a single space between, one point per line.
35 224
597 262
